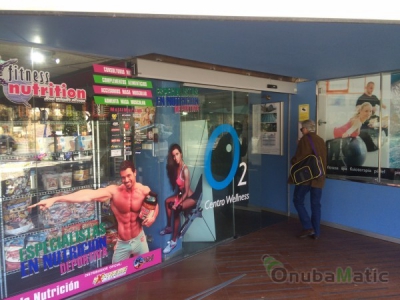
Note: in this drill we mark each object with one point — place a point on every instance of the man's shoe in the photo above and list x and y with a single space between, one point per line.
166 230
315 237
170 245
306 233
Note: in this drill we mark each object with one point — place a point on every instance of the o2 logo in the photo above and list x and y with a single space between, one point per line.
219 185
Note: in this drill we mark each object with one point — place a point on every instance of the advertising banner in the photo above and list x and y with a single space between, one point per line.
129 82
122 101
362 122
78 284
108 90
267 129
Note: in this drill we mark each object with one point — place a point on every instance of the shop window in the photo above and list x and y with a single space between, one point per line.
359 120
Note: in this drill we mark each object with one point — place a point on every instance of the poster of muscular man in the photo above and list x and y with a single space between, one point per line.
133 204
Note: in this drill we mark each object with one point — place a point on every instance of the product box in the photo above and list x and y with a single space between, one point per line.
65 180
46 145
64 144
12 257
59 214
67 143
83 211
15 182
84 143
50 181
16 216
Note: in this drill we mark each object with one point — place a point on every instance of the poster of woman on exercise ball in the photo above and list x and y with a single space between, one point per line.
354 121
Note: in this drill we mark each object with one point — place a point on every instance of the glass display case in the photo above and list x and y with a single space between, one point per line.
44 152
57 139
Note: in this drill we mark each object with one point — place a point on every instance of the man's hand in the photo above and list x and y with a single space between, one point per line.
149 220
43 204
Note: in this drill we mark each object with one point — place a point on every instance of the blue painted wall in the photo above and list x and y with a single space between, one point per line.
367 207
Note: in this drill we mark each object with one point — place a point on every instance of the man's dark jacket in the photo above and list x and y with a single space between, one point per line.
304 149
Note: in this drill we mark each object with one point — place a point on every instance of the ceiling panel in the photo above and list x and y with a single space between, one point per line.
310 50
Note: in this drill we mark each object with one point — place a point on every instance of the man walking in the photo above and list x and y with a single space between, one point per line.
311 226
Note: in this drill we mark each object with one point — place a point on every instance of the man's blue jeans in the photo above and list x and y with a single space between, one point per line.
300 192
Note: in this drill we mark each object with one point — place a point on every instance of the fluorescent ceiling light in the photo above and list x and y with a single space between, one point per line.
37 57
37 39
383 10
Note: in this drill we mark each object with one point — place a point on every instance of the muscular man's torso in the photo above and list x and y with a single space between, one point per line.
146 119
126 205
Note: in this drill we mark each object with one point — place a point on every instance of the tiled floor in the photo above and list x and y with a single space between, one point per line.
241 260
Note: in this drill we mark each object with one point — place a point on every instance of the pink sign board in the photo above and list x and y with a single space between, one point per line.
116 71
81 283
112 90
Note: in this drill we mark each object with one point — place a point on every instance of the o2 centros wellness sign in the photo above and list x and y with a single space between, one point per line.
20 85
236 164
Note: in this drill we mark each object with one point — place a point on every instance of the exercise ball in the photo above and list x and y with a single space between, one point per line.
354 151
